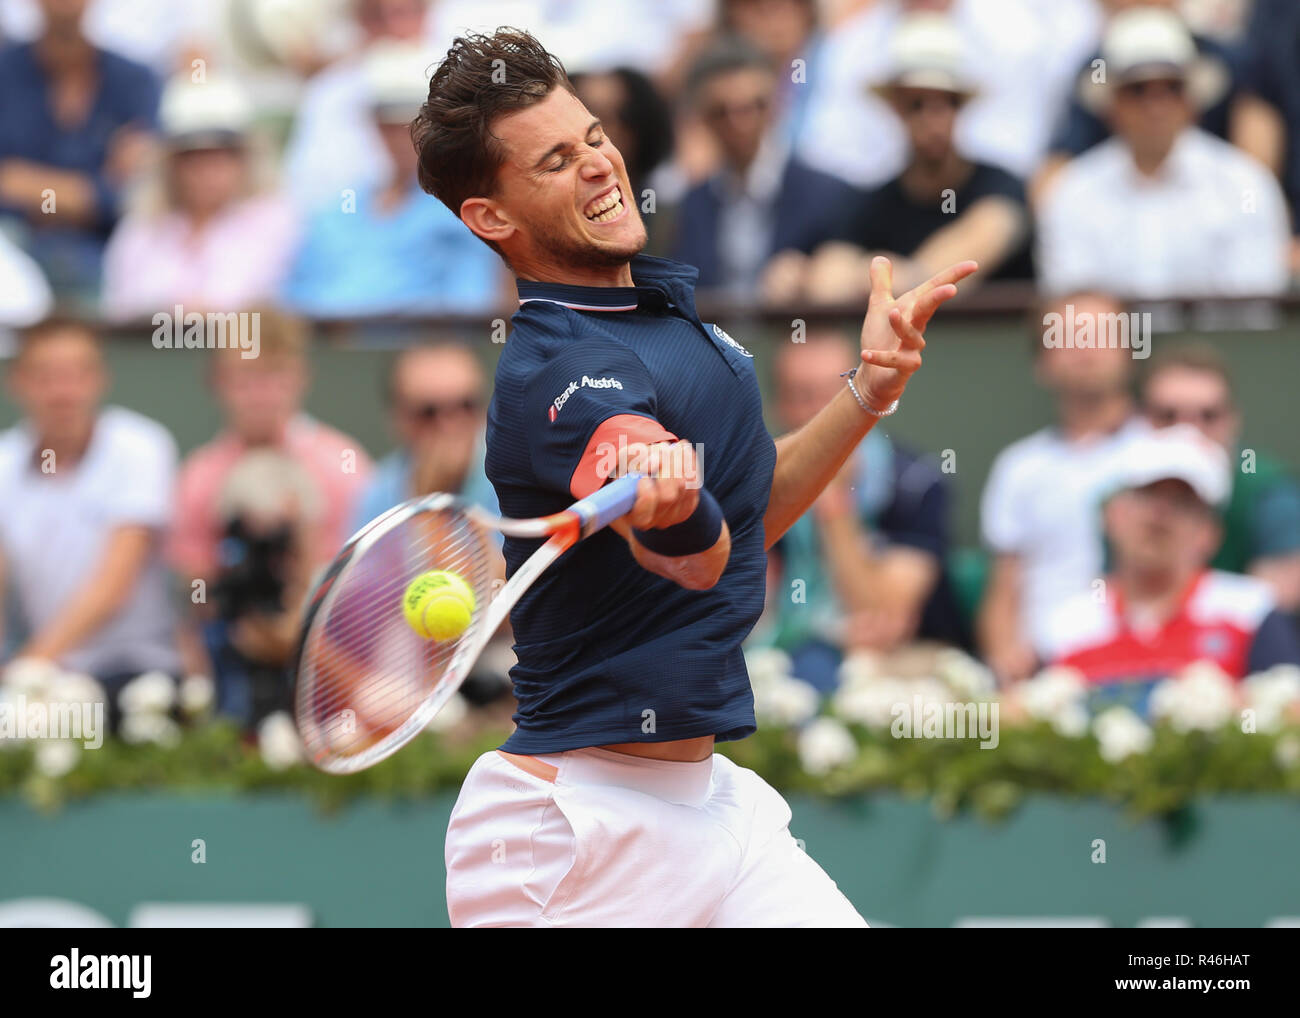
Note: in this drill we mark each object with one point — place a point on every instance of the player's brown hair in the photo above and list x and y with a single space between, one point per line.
482 78
1199 357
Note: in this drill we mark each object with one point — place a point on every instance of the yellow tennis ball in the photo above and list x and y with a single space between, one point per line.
438 605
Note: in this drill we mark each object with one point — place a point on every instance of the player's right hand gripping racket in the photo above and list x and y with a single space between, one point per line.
367 682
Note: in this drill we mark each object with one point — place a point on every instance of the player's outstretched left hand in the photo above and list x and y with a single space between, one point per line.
893 333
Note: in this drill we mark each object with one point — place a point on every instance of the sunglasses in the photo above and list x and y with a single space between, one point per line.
1204 416
1174 87
430 413
723 111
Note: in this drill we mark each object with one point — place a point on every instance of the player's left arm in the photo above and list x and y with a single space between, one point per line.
892 341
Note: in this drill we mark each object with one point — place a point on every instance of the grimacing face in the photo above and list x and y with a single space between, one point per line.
563 200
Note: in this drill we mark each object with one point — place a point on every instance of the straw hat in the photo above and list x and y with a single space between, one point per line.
1150 44
927 51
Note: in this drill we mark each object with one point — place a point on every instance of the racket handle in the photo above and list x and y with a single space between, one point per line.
603 506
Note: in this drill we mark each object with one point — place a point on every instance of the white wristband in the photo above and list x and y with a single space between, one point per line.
849 375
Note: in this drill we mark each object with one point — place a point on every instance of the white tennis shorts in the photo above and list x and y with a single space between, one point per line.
591 837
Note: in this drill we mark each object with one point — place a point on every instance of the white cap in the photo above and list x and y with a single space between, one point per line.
927 51
213 113
1180 453
1150 43
397 78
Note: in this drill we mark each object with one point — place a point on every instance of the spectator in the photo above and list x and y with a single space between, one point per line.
1038 510
334 146
211 242
87 491
1082 126
73 131
868 559
261 400
269 508
1266 116
435 396
1261 521
1162 209
764 200
25 297
389 247
787 31
1027 52
1161 608
942 208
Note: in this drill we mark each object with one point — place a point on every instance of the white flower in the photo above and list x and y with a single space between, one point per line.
452 713
1269 694
1201 698
149 727
1051 692
29 676
860 667
197 694
277 737
55 757
75 687
786 702
1286 752
766 665
1070 720
1121 733
871 703
150 693
963 674
824 745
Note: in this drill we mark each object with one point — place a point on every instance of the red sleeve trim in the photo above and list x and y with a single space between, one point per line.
600 459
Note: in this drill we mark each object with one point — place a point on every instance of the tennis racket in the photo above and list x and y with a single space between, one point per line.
367 682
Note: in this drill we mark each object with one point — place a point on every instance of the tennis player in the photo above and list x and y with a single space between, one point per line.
608 806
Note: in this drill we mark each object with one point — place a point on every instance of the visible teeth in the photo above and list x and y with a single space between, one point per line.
607 208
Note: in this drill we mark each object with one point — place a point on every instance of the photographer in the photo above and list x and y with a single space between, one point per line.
271 509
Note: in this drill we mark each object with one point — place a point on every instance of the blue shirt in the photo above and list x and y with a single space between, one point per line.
390 485
126 93
607 651
416 258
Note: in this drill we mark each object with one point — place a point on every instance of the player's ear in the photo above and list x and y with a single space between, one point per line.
485 218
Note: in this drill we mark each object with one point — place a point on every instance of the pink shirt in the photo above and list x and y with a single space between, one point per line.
240 258
338 464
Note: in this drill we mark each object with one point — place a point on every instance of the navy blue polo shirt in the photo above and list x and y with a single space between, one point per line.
607 651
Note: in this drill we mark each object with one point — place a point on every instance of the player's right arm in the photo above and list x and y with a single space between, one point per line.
667 497
591 415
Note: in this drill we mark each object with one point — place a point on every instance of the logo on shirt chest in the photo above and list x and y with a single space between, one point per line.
730 342
585 381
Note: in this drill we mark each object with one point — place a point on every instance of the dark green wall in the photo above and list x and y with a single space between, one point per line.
974 395
1228 862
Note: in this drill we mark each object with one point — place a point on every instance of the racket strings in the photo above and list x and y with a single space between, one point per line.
365 673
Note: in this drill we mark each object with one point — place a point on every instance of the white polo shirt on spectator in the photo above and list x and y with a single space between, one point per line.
1212 222
1042 503
55 526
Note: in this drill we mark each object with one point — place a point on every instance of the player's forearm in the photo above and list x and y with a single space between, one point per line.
807 460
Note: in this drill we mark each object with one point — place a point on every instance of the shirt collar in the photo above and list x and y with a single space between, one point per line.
655 282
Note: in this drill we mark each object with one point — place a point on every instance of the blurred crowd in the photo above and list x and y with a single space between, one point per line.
254 156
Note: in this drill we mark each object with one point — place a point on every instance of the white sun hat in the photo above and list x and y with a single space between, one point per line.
397 79
1151 43
1179 453
212 113
927 51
